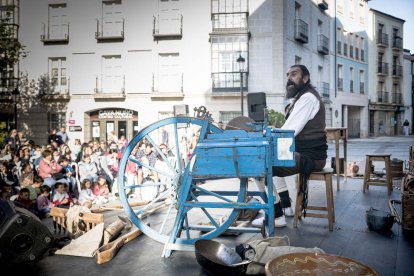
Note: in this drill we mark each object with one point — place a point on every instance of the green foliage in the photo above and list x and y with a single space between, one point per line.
10 48
276 119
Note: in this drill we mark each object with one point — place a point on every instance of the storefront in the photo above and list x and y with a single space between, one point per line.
103 122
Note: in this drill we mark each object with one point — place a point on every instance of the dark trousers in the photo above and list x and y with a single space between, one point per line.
287 171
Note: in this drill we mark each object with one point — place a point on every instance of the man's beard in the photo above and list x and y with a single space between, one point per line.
294 88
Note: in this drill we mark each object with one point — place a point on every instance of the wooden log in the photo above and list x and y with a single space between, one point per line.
107 252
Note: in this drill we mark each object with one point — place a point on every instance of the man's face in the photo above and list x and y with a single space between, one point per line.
295 82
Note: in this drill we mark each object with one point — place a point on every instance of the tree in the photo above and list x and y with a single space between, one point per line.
10 47
276 119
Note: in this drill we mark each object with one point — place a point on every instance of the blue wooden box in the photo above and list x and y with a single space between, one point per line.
237 153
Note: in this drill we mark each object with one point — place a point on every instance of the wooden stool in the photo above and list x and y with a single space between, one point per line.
377 182
324 175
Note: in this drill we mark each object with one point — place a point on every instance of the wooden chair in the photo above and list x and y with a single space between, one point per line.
377 182
59 219
326 176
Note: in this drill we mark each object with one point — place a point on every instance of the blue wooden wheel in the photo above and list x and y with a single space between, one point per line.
173 186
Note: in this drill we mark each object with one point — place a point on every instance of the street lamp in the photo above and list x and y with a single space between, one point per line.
240 60
15 97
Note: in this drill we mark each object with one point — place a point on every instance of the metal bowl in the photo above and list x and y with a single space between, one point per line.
218 259
316 264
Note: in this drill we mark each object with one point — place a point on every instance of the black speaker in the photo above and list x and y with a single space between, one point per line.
256 103
23 237
181 110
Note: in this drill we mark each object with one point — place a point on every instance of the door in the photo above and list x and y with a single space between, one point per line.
122 129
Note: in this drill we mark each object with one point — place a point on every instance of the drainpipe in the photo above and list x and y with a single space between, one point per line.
335 45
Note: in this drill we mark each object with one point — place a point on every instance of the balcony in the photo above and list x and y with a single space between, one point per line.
382 39
57 37
56 93
382 68
301 31
230 23
324 89
397 98
109 88
228 82
323 44
397 71
361 87
167 85
323 5
383 97
109 32
397 43
167 29
340 84
351 86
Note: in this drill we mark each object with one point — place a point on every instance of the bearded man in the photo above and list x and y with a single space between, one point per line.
305 114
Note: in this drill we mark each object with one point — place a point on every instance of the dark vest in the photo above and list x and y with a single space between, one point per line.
315 128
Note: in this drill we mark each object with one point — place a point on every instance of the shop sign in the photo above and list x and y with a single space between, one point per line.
75 128
115 114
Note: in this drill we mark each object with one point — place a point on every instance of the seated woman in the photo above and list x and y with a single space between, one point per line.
49 170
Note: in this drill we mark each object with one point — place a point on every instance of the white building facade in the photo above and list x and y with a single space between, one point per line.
349 63
386 78
119 65
408 88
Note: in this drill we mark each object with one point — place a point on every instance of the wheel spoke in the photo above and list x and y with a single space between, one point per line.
177 148
155 200
212 193
132 159
166 216
160 152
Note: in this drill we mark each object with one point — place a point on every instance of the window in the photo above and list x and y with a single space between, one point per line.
351 79
340 78
56 120
112 78
362 46
361 14
351 9
339 41
225 70
227 116
361 81
57 74
170 77
57 22
229 14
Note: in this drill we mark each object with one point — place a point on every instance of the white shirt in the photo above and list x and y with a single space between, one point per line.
304 110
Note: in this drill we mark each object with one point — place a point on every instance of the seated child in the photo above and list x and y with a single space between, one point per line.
61 198
43 203
24 199
101 190
86 195
69 173
34 187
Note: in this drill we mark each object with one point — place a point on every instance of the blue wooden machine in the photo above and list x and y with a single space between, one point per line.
197 192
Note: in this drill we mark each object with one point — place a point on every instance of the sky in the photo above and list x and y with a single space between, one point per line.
403 9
